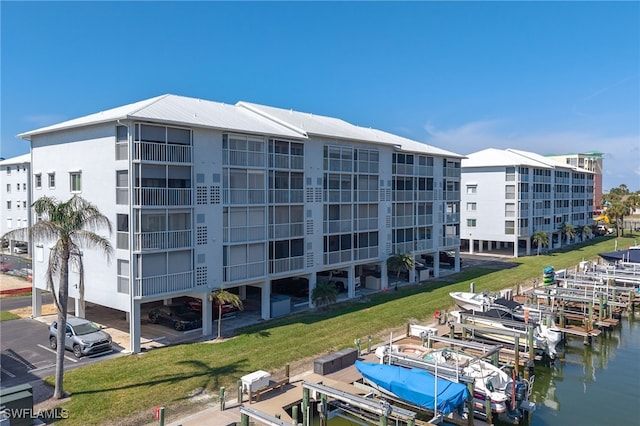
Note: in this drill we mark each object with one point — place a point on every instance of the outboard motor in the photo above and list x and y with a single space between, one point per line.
516 391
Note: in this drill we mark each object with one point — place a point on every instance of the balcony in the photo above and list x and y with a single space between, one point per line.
286 230
163 240
244 234
161 153
336 257
163 284
162 196
244 196
366 224
337 226
243 272
365 253
286 265
286 196
403 221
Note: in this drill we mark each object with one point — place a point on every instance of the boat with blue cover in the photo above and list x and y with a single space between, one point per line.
415 386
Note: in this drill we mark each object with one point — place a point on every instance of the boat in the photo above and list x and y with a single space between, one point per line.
472 301
489 382
499 324
415 386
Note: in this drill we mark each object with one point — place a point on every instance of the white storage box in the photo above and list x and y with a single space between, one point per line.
254 381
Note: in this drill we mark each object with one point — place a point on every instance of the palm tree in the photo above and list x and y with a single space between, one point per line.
568 231
399 262
71 225
540 239
221 297
616 212
324 294
587 231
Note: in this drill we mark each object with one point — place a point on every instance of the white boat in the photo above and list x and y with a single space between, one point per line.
472 301
489 381
545 337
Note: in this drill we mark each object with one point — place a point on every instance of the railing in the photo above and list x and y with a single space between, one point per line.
286 161
452 218
452 172
426 219
452 195
335 257
245 233
424 244
286 265
286 196
243 158
337 196
449 241
162 196
424 170
402 221
244 196
160 152
286 230
424 195
523 231
367 253
337 226
403 169
402 195
367 195
163 240
406 247
241 272
163 284
365 224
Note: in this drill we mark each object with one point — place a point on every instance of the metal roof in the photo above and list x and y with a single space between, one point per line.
244 117
21 159
492 157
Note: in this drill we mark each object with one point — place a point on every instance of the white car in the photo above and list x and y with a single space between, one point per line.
20 249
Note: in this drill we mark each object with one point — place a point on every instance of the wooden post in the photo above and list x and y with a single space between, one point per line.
561 315
516 353
590 318
470 405
601 307
222 398
487 411
286 371
244 419
305 407
240 394
452 331
323 409
532 350
294 414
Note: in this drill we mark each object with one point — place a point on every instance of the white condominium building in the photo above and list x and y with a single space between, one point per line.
205 195
509 195
15 187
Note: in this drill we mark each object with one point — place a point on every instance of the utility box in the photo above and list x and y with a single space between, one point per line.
280 305
254 381
327 364
372 282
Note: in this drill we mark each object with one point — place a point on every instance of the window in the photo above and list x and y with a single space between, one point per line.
52 180
472 189
471 207
8 205
38 181
8 170
24 204
8 187
471 223
75 181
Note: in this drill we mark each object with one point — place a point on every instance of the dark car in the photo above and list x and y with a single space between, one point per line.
196 305
180 317
445 257
83 337
294 286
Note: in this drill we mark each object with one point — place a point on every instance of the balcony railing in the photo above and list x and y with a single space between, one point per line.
159 152
163 284
286 196
402 221
424 219
286 230
286 265
367 253
162 196
450 241
163 240
366 224
336 257
401 195
242 272
405 247
424 244
244 196
452 218
424 195
245 233
337 226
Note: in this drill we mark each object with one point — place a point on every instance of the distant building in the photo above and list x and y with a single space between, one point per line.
509 195
204 195
592 161
15 185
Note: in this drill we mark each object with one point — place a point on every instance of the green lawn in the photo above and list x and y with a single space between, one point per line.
6 316
125 390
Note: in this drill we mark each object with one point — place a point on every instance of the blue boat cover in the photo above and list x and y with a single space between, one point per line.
415 386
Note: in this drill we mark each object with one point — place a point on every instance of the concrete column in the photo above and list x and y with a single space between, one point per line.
207 314
134 327
480 246
78 308
412 275
384 275
313 279
515 249
265 300
242 292
471 248
351 288
36 302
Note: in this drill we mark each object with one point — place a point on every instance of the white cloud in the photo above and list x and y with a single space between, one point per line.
621 153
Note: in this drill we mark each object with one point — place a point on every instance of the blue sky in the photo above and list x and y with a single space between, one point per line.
546 77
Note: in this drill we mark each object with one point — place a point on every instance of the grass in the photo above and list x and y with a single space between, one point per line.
6 316
125 389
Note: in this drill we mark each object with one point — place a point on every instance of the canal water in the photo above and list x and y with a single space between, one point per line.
597 384
592 385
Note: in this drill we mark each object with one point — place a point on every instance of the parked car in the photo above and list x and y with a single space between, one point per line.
294 286
196 305
340 279
179 316
446 257
83 337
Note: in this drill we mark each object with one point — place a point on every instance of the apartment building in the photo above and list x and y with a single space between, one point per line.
205 195
509 195
592 161
15 186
